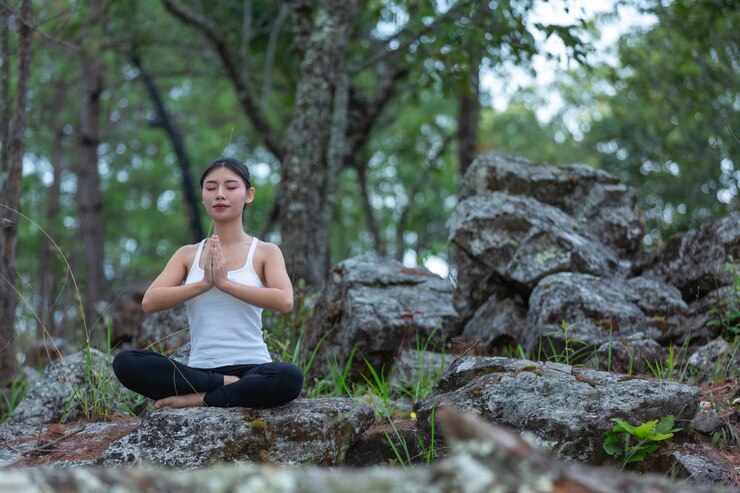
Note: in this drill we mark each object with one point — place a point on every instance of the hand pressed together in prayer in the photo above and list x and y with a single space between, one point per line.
215 267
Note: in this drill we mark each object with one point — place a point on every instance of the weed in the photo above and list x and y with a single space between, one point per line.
676 365
619 441
569 355
425 376
428 453
12 396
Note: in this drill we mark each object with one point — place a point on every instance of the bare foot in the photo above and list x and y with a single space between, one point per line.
189 400
229 379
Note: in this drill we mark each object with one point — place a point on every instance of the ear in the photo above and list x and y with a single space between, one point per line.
250 196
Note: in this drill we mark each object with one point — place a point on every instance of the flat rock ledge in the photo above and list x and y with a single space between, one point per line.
485 459
305 431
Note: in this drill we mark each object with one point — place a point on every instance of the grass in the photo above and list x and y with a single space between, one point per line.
12 396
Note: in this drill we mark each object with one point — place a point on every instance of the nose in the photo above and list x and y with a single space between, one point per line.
220 192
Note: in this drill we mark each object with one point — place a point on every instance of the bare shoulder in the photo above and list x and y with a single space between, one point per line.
185 255
268 249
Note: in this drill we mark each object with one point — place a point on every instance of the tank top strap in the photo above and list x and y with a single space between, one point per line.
196 260
250 255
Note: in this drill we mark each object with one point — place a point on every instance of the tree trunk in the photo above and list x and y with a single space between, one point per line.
10 195
89 199
48 254
467 133
306 184
178 145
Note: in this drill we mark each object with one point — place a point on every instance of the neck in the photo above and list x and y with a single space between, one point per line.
230 232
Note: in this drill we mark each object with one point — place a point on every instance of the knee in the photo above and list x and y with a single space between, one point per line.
123 364
292 378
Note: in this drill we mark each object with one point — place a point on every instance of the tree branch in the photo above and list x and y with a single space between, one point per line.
248 102
451 14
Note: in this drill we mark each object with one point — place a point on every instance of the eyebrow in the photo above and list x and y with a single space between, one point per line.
231 180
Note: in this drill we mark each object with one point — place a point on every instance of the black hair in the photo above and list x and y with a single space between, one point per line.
234 165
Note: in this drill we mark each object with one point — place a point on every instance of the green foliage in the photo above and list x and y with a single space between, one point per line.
428 453
633 443
675 366
101 396
563 347
664 118
12 396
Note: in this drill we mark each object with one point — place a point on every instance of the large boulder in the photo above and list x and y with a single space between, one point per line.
565 409
305 431
598 202
377 308
516 240
697 261
498 322
597 310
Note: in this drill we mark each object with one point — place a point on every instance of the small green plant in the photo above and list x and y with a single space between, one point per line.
570 354
425 376
428 453
676 365
339 376
379 386
101 396
633 443
12 396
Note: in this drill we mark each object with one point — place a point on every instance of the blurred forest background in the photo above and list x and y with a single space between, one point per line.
357 119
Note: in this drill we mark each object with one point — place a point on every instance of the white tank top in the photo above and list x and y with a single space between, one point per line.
224 330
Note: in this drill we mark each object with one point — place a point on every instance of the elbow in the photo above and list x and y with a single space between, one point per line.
286 306
147 306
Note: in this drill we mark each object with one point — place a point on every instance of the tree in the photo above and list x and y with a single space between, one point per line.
89 198
430 43
665 118
10 187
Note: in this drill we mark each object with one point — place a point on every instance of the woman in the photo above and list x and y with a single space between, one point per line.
225 282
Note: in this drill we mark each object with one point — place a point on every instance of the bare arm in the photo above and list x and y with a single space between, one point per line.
167 289
277 295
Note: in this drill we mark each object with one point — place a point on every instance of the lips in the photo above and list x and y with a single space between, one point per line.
220 206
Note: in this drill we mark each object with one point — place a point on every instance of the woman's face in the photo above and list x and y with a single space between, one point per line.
225 194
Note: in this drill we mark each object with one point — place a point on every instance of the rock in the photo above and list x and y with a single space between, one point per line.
418 369
717 358
378 308
696 261
706 314
707 421
697 464
164 331
598 202
48 399
486 458
628 355
567 409
497 322
596 310
305 431
374 446
523 240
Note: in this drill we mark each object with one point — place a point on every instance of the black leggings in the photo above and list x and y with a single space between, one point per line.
156 376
